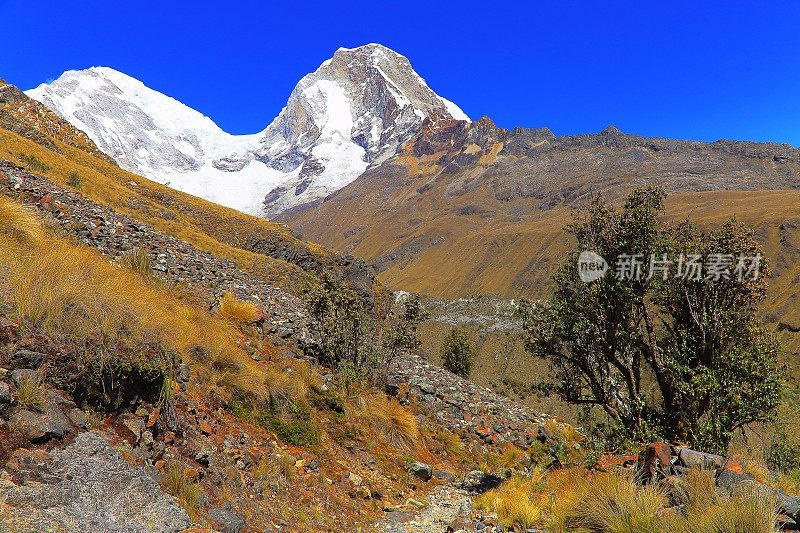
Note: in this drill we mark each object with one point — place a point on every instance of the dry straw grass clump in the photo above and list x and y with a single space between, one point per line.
181 486
19 225
31 393
573 499
383 419
235 310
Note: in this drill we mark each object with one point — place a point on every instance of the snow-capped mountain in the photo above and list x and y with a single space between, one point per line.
356 109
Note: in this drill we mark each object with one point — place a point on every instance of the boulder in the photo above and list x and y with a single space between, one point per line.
37 427
91 488
22 374
26 359
692 458
421 470
655 461
226 519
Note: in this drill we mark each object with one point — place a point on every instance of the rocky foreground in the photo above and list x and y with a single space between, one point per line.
66 468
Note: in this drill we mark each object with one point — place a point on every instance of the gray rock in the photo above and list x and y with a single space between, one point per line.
92 488
19 375
26 359
227 519
5 392
421 470
443 474
183 373
79 418
692 458
41 427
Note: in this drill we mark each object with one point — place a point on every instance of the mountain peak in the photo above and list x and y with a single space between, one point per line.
355 110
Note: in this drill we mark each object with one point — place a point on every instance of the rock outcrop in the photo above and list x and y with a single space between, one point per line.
86 486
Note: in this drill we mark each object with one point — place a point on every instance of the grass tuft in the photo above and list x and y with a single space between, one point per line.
237 311
179 485
31 393
378 417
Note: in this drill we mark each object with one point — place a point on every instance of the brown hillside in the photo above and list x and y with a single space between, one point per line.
475 209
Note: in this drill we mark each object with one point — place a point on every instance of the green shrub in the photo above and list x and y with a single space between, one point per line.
75 180
34 163
783 455
457 352
296 427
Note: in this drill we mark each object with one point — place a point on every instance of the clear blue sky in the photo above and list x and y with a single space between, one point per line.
694 70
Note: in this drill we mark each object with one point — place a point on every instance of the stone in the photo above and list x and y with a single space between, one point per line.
443 474
203 457
133 424
421 470
90 485
183 374
78 418
147 438
5 392
655 461
41 427
23 374
692 458
26 359
226 519
355 479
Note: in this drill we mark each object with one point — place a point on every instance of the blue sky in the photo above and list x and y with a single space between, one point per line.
692 70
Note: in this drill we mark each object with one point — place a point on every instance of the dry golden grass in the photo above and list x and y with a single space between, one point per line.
520 501
179 485
508 457
378 417
72 290
613 503
451 442
705 510
31 393
19 224
572 499
235 310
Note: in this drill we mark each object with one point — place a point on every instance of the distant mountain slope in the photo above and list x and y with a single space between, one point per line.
34 137
470 209
357 108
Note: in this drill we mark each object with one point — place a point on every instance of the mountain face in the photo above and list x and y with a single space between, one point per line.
355 110
468 209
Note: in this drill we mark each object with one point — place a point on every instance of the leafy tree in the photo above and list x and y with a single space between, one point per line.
354 340
346 328
401 332
679 356
457 352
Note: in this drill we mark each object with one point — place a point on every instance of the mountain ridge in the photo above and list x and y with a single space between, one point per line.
357 108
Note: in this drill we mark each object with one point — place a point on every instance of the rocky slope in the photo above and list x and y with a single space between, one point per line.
356 109
482 419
